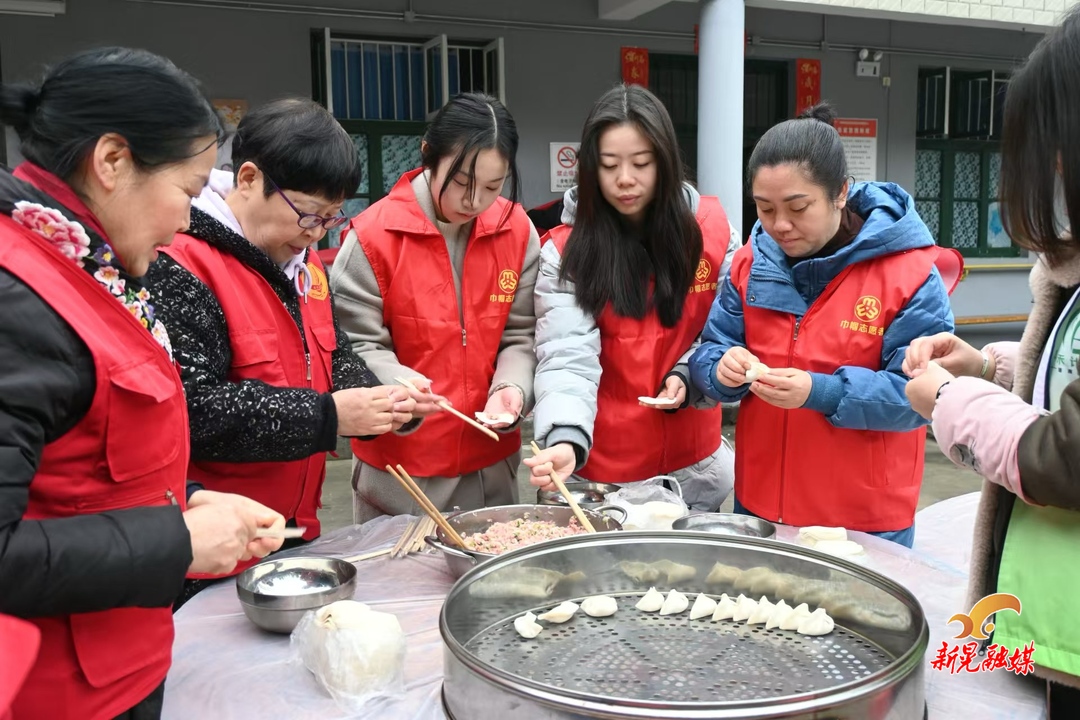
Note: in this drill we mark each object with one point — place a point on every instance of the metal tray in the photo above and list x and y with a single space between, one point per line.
642 665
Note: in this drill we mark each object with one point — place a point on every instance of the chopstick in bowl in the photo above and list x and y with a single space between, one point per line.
566 494
426 505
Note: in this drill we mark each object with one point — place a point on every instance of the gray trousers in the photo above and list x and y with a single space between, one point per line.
376 493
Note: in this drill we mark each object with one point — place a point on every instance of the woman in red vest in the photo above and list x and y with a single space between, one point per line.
624 289
434 285
833 285
97 528
271 381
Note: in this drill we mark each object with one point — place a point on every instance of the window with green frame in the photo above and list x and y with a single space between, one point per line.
956 189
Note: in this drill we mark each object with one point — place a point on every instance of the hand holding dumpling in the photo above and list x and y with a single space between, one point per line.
731 370
673 395
786 388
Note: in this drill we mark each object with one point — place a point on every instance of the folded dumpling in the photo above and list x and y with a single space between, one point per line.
725 609
819 623
675 572
639 571
756 579
527 627
757 371
810 536
704 606
761 613
779 612
722 574
599 605
744 608
675 603
560 613
796 616
651 601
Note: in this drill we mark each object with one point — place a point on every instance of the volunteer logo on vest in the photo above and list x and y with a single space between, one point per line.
701 277
507 282
319 287
868 308
976 625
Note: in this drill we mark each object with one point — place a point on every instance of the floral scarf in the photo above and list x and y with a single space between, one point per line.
85 247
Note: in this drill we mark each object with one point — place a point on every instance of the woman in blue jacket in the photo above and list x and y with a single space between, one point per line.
813 321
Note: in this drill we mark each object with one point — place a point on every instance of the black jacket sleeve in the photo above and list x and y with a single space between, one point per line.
247 421
127 558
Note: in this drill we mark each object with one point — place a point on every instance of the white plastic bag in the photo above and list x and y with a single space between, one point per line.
648 504
355 653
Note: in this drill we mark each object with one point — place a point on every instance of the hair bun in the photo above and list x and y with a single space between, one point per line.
822 112
18 103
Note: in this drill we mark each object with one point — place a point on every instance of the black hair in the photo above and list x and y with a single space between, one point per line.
159 110
1042 107
469 123
809 142
606 258
301 147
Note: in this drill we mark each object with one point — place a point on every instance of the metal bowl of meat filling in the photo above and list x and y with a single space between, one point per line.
590 495
488 532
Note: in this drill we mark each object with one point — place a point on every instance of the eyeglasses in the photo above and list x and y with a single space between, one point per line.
310 221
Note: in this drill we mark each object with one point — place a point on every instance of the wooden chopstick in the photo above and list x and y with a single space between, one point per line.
426 529
287 533
566 494
405 539
366 556
453 411
418 495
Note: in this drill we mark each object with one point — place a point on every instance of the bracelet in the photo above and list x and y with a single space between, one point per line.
986 365
940 388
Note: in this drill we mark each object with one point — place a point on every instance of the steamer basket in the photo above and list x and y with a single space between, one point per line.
642 665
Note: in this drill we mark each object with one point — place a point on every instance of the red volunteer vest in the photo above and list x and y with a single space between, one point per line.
19 642
267 346
130 450
456 348
631 442
792 466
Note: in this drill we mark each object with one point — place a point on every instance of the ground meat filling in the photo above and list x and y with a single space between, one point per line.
503 536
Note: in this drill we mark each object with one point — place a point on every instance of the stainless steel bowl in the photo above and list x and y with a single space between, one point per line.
726 524
587 494
275 594
473 521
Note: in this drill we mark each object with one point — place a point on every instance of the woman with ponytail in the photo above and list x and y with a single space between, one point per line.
835 282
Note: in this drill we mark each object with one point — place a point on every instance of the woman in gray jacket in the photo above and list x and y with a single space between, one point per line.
623 292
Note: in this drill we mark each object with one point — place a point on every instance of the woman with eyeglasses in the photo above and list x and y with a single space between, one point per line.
271 380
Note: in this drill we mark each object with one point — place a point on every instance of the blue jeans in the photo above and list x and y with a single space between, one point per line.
904 537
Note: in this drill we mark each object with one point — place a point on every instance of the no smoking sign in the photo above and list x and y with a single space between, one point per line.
563 165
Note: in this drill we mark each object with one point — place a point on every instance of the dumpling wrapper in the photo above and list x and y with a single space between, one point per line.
722 574
839 548
527 627
499 419
651 601
599 606
704 606
761 613
560 613
675 603
757 371
796 616
744 608
675 572
819 623
725 609
780 612
813 534
645 400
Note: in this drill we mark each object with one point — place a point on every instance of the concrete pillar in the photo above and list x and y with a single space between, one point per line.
721 42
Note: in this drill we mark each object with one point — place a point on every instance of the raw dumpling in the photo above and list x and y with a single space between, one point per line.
499 419
639 571
645 399
675 603
780 611
527 627
810 536
599 605
761 613
757 579
725 609
839 548
518 582
675 572
651 601
704 606
796 616
560 613
722 574
818 623
757 371
744 608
